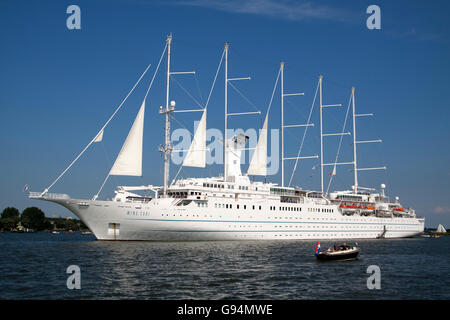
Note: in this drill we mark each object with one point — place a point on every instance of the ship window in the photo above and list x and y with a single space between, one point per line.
245 206
238 206
259 207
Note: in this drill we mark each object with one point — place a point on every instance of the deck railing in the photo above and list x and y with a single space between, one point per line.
39 195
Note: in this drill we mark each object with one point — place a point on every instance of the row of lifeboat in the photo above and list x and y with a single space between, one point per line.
368 207
356 206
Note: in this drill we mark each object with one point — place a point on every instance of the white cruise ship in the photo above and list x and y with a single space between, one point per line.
231 207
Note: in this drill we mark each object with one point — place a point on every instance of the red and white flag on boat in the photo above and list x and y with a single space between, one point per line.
318 247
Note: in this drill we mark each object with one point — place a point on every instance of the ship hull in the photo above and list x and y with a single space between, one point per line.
160 221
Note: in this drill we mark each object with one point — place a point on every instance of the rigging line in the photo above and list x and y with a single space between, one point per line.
107 176
215 78
185 91
198 87
182 125
243 96
273 94
145 97
100 190
304 135
340 142
104 126
174 178
156 71
274 89
206 106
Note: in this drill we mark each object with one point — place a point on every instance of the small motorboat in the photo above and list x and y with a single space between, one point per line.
341 252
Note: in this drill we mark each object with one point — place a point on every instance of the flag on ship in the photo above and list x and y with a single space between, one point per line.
318 247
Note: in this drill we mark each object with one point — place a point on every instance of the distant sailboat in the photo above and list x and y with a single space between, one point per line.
441 229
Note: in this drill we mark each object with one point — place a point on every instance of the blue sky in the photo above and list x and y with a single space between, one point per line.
58 86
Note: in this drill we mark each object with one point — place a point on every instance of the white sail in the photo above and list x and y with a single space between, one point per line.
129 160
258 164
441 228
196 155
99 137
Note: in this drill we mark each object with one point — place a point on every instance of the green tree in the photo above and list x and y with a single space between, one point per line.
72 225
10 223
33 218
10 212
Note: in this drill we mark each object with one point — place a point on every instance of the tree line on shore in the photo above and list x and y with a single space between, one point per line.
34 218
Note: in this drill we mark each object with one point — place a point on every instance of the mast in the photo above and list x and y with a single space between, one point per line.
225 173
321 133
168 109
282 122
354 143
288 126
326 135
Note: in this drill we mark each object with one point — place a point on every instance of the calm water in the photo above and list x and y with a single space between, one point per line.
33 266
